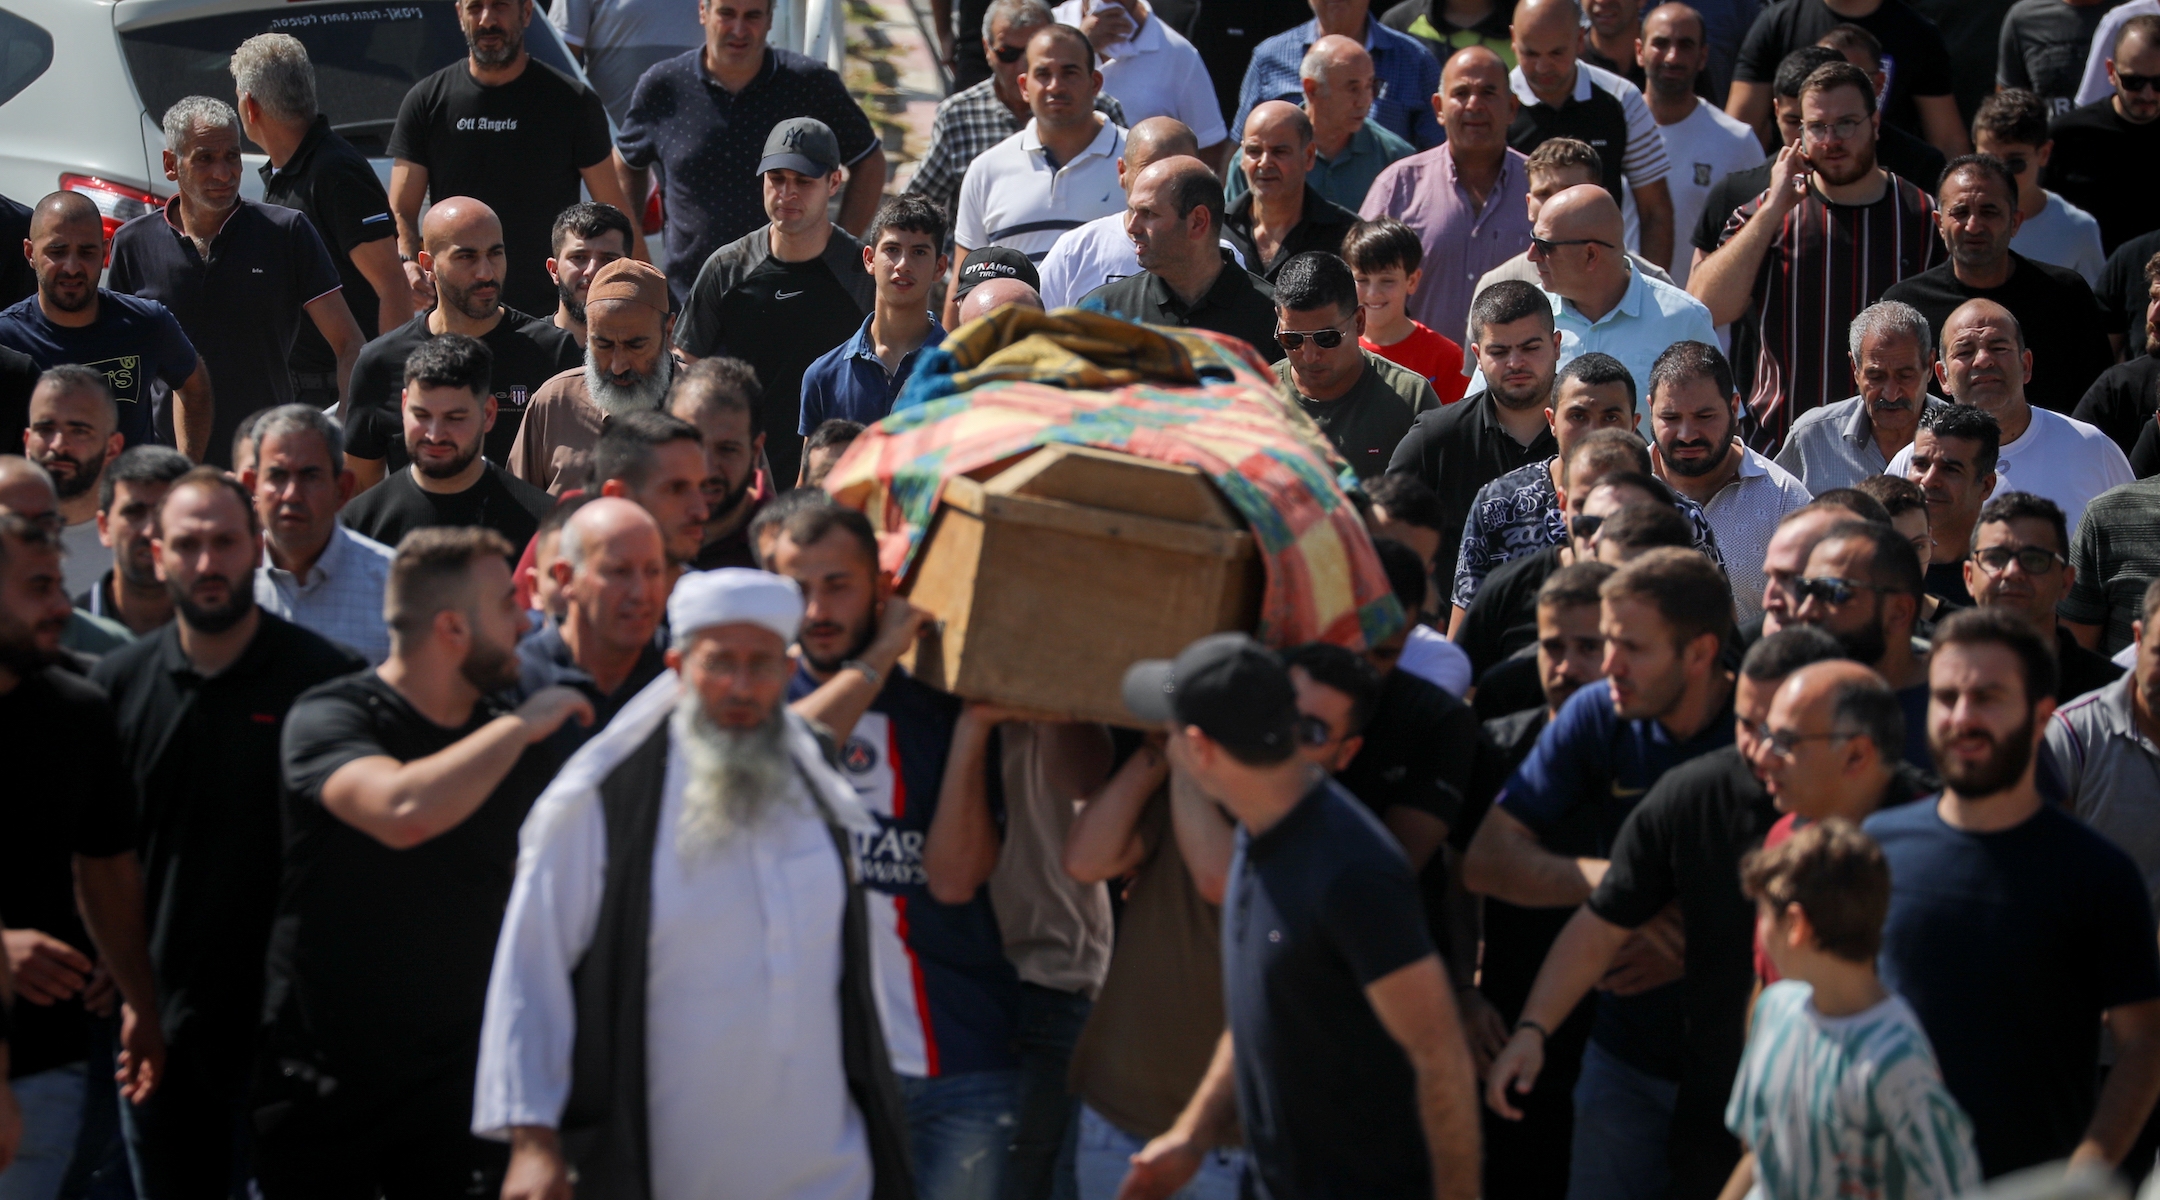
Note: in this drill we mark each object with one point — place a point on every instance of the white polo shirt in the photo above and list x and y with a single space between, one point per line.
1013 196
1156 74
1091 256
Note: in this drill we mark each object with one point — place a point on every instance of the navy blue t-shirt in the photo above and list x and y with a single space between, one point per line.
135 342
1587 772
948 995
2010 946
1317 908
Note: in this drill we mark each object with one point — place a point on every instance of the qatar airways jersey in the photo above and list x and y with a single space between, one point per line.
945 990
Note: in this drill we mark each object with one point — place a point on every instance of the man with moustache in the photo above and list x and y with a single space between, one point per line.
612 567
129 494
403 788
462 253
72 319
1891 345
2014 928
316 573
684 1000
200 704
2020 560
722 398
586 238
448 411
73 434
627 369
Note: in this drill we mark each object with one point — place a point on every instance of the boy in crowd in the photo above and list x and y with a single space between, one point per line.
1387 259
1839 1094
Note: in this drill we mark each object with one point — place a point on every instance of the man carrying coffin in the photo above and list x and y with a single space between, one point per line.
681 1003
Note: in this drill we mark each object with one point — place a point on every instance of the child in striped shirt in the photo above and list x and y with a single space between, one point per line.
1839 1096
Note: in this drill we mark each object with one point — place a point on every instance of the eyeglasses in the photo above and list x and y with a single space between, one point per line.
1835 131
2137 83
1326 339
1546 246
1586 526
1783 742
1831 590
2033 560
1010 54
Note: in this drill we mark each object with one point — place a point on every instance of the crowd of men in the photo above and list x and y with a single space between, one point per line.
463 750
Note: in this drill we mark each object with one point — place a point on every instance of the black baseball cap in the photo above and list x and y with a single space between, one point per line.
996 262
804 145
1235 689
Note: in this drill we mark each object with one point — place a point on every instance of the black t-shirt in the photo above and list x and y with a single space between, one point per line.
379 958
779 318
55 806
1364 423
2122 401
1947 580
498 500
2080 670
1503 618
337 188
203 753
1239 304
2123 293
2109 167
1417 752
2145 456
527 353
1320 906
1915 57
2054 307
2043 46
516 147
18 280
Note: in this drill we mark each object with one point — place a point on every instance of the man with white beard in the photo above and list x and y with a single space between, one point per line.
627 369
681 1002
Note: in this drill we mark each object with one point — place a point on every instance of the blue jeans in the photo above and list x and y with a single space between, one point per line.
52 1110
960 1128
1042 1146
1106 1153
1623 1120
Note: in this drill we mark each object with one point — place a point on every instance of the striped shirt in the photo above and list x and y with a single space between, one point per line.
2117 555
1847 1108
1829 261
1601 109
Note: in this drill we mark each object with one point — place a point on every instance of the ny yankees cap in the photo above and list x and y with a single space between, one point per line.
1235 689
804 145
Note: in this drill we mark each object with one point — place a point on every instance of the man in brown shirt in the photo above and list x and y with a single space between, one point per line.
627 368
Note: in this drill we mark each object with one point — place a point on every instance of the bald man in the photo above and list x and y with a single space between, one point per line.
462 253
1985 362
1173 216
26 490
612 568
1349 148
1466 198
136 342
1098 252
986 298
1404 66
1600 301
1280 216
1564 97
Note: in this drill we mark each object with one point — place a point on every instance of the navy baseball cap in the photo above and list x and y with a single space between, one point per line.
804 145
1235 689
996 262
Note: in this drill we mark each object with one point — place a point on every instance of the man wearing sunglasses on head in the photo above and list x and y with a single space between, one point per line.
1361 401
2107 153
1862 586
2020 560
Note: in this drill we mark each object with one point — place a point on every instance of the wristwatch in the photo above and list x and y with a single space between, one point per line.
868 672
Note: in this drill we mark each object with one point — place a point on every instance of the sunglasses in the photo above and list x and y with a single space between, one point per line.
2137 83
1546 245
1585 527
1783 742
1326 339
1831 590
1010 54
2033 560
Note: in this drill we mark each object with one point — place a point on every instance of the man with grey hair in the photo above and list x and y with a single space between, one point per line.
1280 215
976 118
1349 148
315 572
1096 253
237 274
319 173
683 1000
1838 445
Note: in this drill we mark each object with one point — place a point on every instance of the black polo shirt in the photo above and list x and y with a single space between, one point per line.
2079 670
1599 121
1503 617
1365 423
527 353
497 500
337 188
203 755
2123 292
1455 450
242 307
708 141
1322 223
1239 304
2062 322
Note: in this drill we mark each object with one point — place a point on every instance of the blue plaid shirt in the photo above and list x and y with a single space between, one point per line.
1405 76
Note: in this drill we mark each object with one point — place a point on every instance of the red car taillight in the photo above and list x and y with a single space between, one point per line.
117 203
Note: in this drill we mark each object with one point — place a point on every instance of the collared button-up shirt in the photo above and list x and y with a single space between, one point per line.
1321 226
1093 255
342 596
967 123
1015 196
2109 771
1834 446
1649 317
1463 238
1520 513
849 382
1345 178
1405 77
1745 513
1239 304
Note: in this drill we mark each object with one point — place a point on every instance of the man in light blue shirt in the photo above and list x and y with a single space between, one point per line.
1350 148
315 572
1599 301
1406 75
